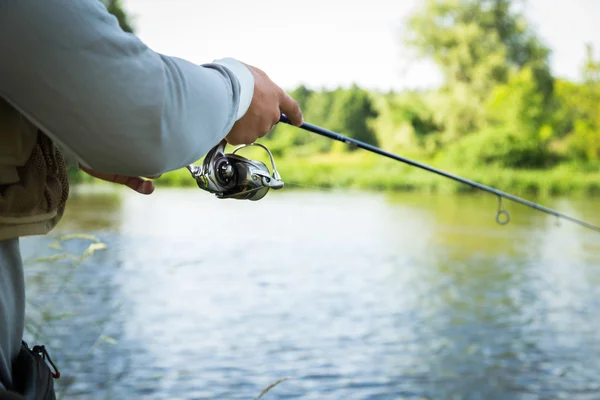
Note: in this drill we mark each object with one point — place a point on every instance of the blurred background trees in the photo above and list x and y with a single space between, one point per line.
499 103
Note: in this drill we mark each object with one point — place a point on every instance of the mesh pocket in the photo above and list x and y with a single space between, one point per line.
43 185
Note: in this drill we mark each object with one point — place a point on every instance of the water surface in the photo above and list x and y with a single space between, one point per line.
349 295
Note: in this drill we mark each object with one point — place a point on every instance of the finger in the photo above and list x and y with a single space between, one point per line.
140 185
238 136
275 118
136 183
269 123
291 109
147 188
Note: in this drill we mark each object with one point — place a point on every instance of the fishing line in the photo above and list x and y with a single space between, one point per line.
326 188
502 215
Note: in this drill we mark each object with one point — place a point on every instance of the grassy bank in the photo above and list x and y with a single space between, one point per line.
365 171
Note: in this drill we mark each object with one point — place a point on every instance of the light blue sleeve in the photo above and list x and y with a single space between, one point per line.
105 97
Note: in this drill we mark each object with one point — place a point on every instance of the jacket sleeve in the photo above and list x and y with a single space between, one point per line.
105 97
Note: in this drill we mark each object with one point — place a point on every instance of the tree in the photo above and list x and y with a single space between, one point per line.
351 114
477 44
591 67
580 111
518 132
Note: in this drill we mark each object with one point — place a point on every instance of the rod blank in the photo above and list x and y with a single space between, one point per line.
350 141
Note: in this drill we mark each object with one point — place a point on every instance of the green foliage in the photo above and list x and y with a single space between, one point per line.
579 117
406 122
477 44
518 105
499 148
115 7
477 41
352 111
349 110
591 67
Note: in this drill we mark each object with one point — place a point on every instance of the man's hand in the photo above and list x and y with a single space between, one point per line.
136 183
268 103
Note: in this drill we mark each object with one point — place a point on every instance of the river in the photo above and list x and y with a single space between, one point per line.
348 295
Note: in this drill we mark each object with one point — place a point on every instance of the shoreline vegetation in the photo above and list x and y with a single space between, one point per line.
374 173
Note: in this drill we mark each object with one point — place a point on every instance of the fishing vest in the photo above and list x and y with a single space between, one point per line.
33 177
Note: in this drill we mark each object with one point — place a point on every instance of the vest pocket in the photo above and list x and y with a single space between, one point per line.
17 140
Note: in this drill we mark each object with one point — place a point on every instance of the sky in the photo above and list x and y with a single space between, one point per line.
329 43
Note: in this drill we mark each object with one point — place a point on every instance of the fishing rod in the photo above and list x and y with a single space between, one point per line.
235 177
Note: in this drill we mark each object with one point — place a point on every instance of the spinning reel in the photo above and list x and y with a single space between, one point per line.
231 176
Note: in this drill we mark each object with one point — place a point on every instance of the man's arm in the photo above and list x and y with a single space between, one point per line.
104 96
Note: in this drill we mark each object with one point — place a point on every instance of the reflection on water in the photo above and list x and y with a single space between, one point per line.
350 295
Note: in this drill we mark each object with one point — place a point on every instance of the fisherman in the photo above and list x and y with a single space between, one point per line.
78 91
